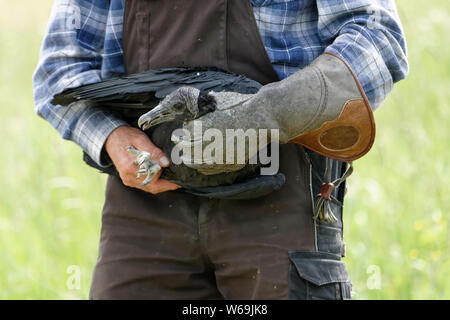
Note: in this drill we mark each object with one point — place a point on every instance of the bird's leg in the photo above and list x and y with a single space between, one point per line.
147 166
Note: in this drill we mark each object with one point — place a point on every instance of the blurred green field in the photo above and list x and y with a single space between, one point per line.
397 211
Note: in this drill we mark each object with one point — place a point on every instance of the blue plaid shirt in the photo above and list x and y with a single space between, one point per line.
83 45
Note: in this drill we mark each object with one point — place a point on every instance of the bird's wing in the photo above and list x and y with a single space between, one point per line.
137 91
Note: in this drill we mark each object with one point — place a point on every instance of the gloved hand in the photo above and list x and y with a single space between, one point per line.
322 107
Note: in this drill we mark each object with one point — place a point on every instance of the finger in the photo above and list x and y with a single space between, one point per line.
145 144
165 185
161 185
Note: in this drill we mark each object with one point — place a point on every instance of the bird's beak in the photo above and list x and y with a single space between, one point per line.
155 116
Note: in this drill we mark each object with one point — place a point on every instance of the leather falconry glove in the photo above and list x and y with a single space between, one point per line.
322 107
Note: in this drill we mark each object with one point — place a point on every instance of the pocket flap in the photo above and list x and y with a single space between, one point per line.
319 268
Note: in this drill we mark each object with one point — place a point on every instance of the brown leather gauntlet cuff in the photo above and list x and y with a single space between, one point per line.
347 138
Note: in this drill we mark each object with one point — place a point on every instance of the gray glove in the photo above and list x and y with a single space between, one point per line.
321 107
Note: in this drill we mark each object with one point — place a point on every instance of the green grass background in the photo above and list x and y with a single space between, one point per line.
397 209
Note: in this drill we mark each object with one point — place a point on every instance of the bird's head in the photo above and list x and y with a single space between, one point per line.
183 104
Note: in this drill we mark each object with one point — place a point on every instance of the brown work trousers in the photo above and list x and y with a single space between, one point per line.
175 245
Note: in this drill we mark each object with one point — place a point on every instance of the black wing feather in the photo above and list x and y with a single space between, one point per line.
133 91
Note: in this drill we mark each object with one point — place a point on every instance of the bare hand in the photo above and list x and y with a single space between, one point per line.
116 147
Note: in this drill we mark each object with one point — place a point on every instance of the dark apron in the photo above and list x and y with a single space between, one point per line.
178 246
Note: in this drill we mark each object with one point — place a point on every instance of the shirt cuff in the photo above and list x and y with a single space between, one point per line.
92 129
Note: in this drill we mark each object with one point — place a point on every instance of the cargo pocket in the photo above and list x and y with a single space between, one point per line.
318 276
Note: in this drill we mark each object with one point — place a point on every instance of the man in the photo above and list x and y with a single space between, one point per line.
158 242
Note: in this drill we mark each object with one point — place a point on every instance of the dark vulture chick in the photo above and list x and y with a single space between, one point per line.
159 101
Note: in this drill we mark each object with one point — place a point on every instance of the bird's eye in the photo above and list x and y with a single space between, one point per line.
178 106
